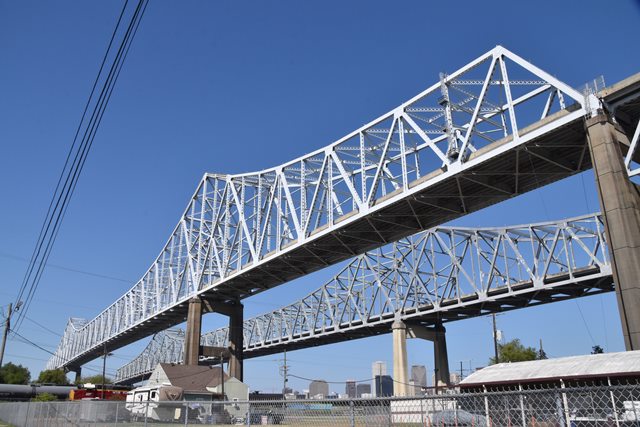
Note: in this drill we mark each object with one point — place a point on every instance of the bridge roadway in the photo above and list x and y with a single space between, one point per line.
443 274
494 129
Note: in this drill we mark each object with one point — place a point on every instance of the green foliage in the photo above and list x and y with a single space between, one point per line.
596 349
14 374
95 379
514 351
44 397
53 376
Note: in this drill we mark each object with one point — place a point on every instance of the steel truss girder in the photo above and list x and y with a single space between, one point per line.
165 347
445 273
633 169
516 126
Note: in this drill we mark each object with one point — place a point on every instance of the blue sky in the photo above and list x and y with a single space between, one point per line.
238 86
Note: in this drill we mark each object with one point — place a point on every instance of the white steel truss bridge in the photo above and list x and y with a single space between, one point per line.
496 128
440 275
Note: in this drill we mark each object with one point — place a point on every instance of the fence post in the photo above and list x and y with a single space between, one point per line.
146 411
390 417
565 404
117 410
421 412
486 406
353 413
522 412
559 413
613 403
26 417
248 412
186 413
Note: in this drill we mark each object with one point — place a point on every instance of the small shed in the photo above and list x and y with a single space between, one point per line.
605 368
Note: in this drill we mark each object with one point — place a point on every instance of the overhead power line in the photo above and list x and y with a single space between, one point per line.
78 153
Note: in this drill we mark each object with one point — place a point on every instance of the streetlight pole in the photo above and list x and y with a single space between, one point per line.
284 371
7 327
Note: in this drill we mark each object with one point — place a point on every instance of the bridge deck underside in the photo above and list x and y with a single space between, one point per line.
555 155
550 158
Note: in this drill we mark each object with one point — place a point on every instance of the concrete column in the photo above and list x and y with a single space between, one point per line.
620 204
440 356
236 345
400 364
192 335
78 376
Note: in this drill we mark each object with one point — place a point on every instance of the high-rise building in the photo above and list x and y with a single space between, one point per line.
384 386
363 388
350 389
419 378
377 368
318 389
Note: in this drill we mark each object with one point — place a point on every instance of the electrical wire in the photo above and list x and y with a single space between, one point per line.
88 138
73 270
71 171
28 341
42 326
46 224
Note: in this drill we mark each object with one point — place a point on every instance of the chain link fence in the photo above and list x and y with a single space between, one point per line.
617 405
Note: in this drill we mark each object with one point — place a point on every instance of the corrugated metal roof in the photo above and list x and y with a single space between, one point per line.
592 365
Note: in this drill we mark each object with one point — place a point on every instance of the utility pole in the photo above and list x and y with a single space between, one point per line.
7 327
461 371
495 339
284 372
104 367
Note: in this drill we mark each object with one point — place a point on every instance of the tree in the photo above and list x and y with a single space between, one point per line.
53 376
96 379
14 374
596 349
514 351
44 397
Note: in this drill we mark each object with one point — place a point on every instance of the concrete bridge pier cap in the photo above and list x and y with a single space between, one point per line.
437 334
620 204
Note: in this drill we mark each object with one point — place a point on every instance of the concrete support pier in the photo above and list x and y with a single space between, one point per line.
440 355
620 204
436 334
400 364
236 345
78 372
192 335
